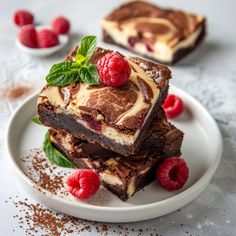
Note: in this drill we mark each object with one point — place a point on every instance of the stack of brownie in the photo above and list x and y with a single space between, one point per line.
122 133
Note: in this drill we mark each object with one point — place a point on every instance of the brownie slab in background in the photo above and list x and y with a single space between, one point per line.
115 118
123 176
163 34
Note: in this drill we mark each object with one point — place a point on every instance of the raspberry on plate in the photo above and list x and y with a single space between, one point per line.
23 17
60 25
47 38
83 183
28 36
172 173
173 106
113 70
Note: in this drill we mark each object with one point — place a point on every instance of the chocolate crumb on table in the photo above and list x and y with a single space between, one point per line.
35 219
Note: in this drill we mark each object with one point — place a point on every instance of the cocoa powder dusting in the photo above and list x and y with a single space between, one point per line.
38 218
50 183
18 92
35 219
42 173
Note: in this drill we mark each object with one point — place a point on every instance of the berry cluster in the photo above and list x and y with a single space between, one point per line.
44 38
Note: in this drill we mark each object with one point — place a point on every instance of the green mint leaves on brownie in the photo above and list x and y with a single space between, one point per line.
63 73
87 47
89 74
68 72
53 154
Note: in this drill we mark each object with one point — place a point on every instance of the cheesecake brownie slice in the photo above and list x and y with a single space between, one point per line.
165 35
115 118
161 138
121 175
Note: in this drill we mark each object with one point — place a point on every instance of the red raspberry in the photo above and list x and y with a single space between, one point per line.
172 173
113 70
173 106
60 25
28 36
83 183
23 17
47 38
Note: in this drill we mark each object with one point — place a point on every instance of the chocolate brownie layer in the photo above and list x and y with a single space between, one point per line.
166 35
115 118
122 175
161 135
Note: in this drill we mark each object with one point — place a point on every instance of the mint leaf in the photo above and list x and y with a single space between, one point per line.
87 47
53 154
57 66
89 75
36 120
68 72
81 60
63 73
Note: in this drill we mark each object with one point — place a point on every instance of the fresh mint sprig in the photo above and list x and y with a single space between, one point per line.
53 154
68 72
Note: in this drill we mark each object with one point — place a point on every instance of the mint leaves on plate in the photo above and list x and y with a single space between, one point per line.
36 120
68 72
53 154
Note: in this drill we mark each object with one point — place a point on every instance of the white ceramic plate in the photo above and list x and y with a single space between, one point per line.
43 52
202 150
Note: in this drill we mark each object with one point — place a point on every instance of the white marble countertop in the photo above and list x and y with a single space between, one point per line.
209 74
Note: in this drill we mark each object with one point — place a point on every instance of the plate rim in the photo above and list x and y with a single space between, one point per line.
202 181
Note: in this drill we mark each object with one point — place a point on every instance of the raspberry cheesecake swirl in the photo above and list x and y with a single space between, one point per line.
166 35
113 117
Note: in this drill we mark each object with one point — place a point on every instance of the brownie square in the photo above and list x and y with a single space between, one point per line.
163 34
115 118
